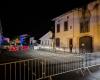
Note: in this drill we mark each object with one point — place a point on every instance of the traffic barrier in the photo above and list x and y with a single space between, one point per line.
41 68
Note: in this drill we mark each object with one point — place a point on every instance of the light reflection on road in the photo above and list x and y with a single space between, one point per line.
94 76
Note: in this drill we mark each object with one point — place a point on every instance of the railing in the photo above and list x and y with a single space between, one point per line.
41 68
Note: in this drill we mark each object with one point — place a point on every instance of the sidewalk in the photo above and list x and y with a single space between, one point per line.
56 51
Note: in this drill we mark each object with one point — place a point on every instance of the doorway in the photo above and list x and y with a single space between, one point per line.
85 43
70 44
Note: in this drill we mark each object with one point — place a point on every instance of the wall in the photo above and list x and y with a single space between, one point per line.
74 33
46 40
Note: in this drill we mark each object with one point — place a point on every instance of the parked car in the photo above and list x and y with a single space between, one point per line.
13 48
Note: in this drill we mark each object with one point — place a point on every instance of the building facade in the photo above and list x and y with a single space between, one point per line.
46 40
79 29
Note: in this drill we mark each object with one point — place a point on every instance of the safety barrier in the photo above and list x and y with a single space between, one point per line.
42 68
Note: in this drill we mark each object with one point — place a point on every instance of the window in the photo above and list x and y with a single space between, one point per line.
41 42
67 17
57 42
58 27
48 42
66 26
84 27
70 27
85 21
70 44
45 42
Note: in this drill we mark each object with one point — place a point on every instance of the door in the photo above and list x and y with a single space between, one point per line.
85 43
70 44
57 42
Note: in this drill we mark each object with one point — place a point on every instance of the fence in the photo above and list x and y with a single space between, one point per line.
42 68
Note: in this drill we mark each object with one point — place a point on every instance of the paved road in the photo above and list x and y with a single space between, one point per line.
93 74
55 63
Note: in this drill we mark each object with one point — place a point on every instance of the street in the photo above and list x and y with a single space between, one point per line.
37 64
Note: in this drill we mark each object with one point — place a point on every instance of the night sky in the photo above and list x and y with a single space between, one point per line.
33 17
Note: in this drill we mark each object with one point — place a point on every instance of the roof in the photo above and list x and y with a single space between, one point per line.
48 35
78 8
65 14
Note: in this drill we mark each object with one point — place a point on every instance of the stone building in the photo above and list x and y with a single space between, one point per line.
79 29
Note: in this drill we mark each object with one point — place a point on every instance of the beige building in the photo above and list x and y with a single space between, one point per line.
79 29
